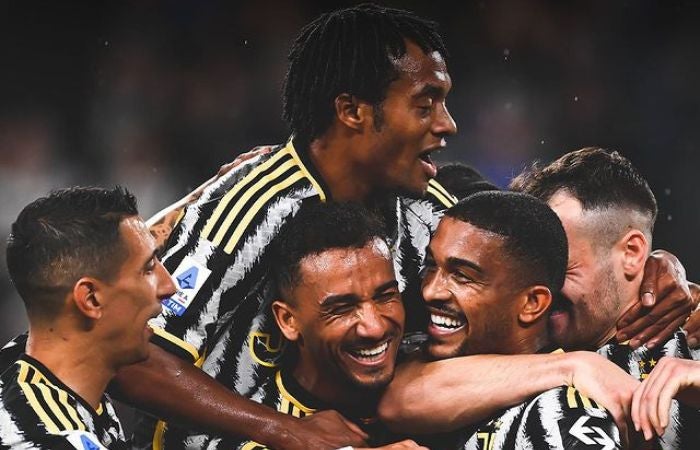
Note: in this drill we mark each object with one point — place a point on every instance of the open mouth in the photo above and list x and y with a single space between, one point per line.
370 355
443 323
428 165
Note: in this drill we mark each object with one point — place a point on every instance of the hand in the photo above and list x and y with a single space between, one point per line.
256 151
162 223
607 384
397 446
652 400
324 430
664 306
692 326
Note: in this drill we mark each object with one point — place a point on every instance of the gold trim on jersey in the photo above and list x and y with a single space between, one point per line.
249 186
45 399
305 171
439 192
265 339
575 399
289 404
186 346
253 446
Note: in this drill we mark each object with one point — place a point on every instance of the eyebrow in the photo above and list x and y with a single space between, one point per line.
430 90
332 300
454 261
388 285
153 256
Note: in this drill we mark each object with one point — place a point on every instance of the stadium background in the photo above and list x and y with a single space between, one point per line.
157 94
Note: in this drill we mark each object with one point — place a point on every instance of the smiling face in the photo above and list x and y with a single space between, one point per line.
591 301
133 296
413 122
469 292
346 317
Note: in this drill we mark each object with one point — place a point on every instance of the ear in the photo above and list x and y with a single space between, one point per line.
536 302
87 298
634 248
284 316
352 112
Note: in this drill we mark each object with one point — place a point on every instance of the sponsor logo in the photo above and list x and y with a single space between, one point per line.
190 276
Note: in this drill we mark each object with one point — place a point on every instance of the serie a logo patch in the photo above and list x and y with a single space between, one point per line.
190 276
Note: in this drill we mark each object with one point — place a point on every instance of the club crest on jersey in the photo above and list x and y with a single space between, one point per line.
190 277
265 348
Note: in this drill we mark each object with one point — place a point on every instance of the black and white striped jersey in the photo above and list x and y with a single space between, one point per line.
560 418
38 411
220 319
683 430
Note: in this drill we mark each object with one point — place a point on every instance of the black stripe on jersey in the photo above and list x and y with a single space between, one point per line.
41 403
270 187
261 177
534 429
63 409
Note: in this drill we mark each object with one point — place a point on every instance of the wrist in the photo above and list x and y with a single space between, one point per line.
282 432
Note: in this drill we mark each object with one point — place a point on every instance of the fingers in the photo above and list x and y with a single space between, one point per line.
692 329
661 329
257 151
673 308
355 428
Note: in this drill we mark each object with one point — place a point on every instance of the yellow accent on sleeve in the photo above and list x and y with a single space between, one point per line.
245 221
189 348
238 206
33 401
221 207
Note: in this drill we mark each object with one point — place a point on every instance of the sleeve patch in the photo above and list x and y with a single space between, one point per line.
190 276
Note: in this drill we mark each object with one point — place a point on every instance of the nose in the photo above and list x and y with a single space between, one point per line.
435 287
370 324
166 285
444 124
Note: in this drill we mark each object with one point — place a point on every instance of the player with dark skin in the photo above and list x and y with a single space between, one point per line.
367 148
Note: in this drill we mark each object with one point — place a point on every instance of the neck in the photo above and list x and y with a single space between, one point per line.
531 341
351 400
347 180
74 358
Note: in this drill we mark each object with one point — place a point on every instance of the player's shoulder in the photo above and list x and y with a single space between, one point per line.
283 165
569 420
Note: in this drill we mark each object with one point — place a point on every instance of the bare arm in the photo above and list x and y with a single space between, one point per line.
175 390
445 395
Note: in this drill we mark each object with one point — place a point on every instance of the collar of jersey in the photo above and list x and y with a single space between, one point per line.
55 381
304 159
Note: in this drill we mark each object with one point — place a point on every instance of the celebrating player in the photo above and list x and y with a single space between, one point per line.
84 264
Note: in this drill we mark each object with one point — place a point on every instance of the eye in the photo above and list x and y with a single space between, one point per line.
342 309
388 296
462 277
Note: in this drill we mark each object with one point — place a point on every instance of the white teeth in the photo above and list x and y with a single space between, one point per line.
445 322
367 353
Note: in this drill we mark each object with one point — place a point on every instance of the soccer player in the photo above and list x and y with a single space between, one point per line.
340 309
491 271
608 211
365 98
84 264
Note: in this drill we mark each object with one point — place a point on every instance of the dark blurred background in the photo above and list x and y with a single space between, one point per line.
156 95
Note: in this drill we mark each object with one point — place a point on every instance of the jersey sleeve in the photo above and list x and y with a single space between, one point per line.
565 419
217 253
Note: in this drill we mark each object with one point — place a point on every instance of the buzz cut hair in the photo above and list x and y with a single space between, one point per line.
319 227
60 238
348 51
534 240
